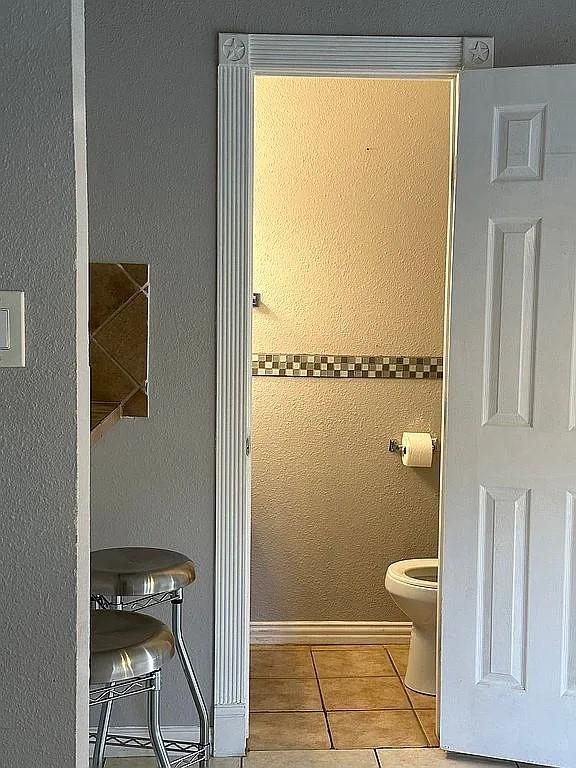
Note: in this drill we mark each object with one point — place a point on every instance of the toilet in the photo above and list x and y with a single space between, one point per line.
413 585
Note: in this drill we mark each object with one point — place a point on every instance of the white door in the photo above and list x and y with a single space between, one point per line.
508 576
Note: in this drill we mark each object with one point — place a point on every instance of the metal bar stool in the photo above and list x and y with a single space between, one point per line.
127 651
135 578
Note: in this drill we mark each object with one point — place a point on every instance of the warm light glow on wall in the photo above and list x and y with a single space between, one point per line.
351 202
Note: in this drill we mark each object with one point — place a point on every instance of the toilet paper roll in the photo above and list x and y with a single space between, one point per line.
417 449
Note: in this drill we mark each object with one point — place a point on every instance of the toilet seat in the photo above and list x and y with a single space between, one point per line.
416 573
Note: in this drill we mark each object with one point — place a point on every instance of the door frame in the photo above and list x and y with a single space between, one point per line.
241 58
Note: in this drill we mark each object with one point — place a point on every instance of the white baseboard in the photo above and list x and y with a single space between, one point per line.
230 730
169 732
330 632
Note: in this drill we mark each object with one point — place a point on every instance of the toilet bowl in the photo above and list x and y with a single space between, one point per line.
413 585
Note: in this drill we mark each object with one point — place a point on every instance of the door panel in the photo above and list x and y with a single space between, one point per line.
503 528
513 249
508 555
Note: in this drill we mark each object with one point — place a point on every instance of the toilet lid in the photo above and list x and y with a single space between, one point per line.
421 573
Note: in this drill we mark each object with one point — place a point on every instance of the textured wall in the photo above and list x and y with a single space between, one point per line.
44 436
151 90
350 208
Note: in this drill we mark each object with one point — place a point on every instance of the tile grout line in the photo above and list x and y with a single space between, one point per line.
324 710
300 679
412 708
117 311
395 675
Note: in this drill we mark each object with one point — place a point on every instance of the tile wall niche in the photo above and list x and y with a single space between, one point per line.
119 310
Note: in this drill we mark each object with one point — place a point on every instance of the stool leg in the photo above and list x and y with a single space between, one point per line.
190 675
101 734
154 724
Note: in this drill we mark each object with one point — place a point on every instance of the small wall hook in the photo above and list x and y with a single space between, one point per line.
256 299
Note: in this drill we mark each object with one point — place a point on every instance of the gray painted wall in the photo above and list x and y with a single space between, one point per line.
44 433
151 90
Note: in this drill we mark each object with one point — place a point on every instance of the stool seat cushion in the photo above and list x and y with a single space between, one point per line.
125 645
139 571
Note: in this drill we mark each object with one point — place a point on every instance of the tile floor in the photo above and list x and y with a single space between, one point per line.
336 707
357 758
335 697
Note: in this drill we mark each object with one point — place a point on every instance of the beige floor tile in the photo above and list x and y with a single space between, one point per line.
363 693
351 647
288 730
427 719
356 758
271 695
421 700
364 662
282 663
433 758
225 762
399 654
362 730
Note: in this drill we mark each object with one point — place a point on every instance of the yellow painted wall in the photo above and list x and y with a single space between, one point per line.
351 200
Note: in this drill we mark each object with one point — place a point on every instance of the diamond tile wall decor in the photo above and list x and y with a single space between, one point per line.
347 366
118 340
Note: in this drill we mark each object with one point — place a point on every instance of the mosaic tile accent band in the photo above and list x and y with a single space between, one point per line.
348 366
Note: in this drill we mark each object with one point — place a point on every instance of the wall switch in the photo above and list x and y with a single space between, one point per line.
4 329
12 329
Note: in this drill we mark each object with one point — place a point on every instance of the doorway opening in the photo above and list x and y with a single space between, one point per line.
244 57
351 221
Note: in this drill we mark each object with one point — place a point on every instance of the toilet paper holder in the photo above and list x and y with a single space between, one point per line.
395 446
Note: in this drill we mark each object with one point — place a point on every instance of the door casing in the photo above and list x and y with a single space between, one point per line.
241 58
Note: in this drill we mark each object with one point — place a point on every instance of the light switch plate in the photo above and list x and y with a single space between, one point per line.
12 346
4 329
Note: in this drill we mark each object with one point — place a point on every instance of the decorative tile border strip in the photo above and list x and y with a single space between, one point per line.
348 366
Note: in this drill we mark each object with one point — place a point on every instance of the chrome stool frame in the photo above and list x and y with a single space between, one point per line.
106 694
192 753
129 668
